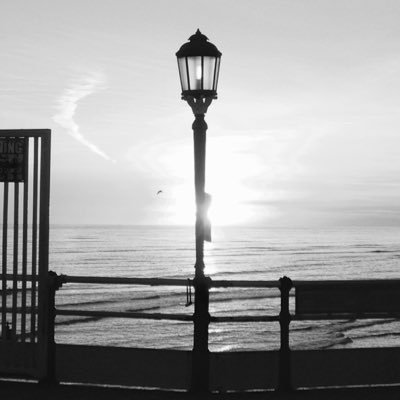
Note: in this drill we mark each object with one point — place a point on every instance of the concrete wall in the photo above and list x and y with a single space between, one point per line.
168 369
171 369
20 359
342 367
244 370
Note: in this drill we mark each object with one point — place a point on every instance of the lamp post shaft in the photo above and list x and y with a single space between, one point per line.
199 137
200 366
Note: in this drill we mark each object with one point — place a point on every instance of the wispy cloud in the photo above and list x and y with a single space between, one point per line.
68 103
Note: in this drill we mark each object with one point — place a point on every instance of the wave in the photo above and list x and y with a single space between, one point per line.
143 309
303 328
342 341
243 298
78 320
77 298
383 251
109 301
85 320
118 251
376 335
239 273
357 324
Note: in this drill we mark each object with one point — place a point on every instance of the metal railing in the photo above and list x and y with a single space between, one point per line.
64 279
315 300
200 318
361 310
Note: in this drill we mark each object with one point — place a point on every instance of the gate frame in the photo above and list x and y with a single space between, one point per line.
42 344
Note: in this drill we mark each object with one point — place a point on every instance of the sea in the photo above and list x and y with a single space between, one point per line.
236 253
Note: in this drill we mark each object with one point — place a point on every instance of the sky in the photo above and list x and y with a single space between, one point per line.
305 131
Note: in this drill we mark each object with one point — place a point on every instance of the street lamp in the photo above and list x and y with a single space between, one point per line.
198 64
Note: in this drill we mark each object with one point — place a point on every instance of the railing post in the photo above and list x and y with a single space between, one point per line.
200 353
284 383
54 283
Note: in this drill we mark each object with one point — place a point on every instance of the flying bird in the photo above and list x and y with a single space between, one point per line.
160 191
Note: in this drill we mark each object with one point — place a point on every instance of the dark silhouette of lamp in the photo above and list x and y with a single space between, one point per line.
198 64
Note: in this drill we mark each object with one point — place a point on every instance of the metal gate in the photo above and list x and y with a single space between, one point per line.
24 188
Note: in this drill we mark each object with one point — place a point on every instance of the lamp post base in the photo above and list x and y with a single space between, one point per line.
201 355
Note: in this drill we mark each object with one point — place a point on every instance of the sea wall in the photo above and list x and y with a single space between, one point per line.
171 369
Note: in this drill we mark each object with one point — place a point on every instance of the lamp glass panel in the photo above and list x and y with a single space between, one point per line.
183 73
195 73
218 62
209 67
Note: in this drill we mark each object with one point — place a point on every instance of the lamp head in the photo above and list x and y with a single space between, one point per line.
198 64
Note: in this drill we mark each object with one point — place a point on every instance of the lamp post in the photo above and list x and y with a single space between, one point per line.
198 64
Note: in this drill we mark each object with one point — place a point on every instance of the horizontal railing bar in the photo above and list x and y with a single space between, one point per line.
150 281
339 316
244 284
214 283
125 280
125 314
246 318
239 318
18 310
164 281
20 278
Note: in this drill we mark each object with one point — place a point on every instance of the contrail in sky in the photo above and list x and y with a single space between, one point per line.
68 102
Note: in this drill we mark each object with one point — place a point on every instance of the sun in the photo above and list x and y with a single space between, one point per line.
228 171
227 207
